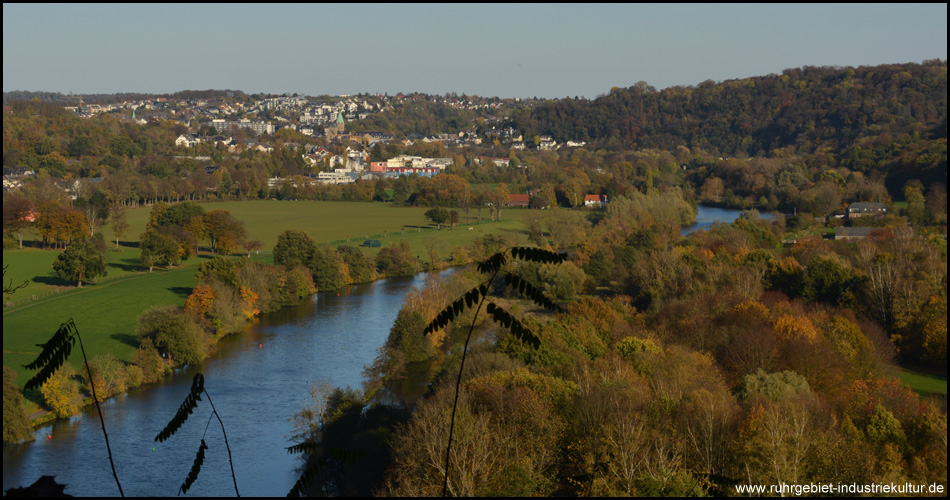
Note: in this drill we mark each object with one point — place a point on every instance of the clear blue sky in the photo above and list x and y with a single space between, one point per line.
510 50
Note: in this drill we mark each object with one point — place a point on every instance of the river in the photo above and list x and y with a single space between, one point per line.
707 216
257 381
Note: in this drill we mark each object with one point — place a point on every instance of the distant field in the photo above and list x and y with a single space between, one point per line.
324 221
923 383
105 313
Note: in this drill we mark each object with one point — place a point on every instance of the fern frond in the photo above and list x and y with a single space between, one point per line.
492 263
186 408
306 478
455 309
523 333
54 354
528 290
195 468
306 446
533 254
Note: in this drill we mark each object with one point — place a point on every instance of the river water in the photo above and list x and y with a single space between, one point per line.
707 216
257 381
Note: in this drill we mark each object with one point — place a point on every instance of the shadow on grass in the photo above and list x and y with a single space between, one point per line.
127 267
181 291
52 281
126 338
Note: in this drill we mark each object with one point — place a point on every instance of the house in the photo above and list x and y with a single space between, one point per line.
187 140
518 200
853 233
595 200
861 209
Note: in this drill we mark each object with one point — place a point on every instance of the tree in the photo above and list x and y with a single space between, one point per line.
294 248
172 332
499 198
80 261
16 423
438 215
252 245
396 260
119 223
157 247
223 230
18 214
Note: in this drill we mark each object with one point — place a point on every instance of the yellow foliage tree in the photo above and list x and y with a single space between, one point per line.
61 392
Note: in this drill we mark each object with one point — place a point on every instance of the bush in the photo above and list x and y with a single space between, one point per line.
149 362
173 333
61 392
108 375
16 423
294 248
396 260
329 270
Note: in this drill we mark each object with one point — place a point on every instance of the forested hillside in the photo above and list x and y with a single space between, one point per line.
803 108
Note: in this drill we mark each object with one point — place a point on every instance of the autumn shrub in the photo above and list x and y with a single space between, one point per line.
329 270
149 361
361 267
773 386
562 281
218 268
108 375
299 284
61 392
16 423
396 259
172 332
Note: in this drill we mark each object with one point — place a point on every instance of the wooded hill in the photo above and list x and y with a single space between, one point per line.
803 110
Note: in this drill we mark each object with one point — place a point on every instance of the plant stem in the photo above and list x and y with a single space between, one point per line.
233 478
458 383
102 422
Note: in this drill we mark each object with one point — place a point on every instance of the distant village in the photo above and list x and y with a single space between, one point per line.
320 121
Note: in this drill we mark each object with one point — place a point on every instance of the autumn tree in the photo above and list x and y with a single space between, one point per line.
223 230
80 261
158 247
18 214
438 215
294 248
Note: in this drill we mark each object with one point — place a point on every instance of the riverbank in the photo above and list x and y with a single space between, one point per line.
117 303
258 381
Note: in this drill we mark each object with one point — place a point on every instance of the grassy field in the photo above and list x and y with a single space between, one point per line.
105 315
924 383
324 221
105 312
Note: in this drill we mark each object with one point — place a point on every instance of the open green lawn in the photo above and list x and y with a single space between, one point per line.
924 383
105 312
324 221
105 315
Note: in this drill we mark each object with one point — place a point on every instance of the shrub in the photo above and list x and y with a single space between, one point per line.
173 333
16 423
61 392
396 260
294 248
108 375
149 362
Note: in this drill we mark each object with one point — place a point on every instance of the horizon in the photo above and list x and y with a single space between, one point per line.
563 51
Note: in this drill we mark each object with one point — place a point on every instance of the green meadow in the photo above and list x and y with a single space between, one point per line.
924 384
105 312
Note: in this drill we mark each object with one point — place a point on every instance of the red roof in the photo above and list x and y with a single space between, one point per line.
519 198
595 197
